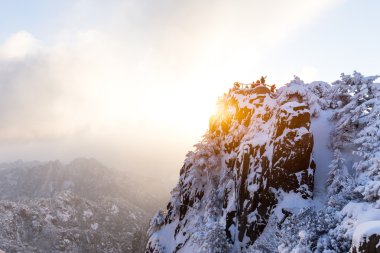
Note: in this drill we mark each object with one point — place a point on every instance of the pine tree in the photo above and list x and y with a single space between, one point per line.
339 179
353 96
213 239
339 183
368 168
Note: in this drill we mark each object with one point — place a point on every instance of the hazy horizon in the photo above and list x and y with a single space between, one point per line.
133 83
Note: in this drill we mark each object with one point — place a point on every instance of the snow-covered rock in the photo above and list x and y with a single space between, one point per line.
258 148
293 170
366 237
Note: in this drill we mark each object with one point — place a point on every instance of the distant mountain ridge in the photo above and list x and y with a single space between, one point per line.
82 206
86 177
68 223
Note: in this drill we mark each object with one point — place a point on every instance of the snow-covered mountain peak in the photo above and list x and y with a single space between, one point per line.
82 206
280 171
257 147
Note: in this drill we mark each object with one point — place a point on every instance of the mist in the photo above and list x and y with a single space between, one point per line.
133 83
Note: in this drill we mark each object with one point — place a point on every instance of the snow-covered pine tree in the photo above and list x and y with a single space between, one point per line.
317 223
339 182
338 175
368 141
303 245
211 238
352 95
358 124
320 90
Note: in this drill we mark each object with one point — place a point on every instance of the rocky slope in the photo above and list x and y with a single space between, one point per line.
259 146
79 207
258 182
68 223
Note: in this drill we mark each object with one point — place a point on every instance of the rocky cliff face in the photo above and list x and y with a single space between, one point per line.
258 147
369 245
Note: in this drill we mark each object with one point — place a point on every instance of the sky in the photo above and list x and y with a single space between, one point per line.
132 83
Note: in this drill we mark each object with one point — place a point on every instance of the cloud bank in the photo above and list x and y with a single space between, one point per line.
132 83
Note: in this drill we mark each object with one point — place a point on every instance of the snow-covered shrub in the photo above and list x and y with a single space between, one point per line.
155 247
301 232
206 154
298 91
157 221
214 205
270 238
322 91
211 238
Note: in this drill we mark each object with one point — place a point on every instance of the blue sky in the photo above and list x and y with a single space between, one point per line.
345 37
125 79
341 40
38 17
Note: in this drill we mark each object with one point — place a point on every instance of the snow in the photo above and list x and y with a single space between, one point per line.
364 231
42 221
48 218
94 226
114 209
244 100
360 218
289 106
321 128
302 234
260 139
291 201
253 188
63 216
167 233
133 216
87 214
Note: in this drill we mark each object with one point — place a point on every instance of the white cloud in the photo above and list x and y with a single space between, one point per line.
147 76
18 46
